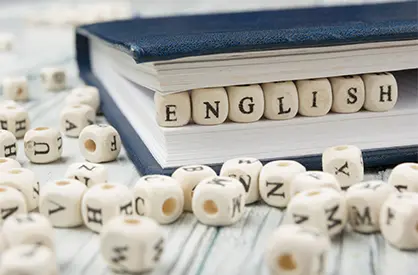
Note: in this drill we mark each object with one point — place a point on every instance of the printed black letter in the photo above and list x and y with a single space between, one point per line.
352 97
69 125
298 219
6 212
281 109
113 145
169 112
390 216
94 215
383 93
332 222
314 99
137 201
236 205
244 179
45 151
10 150
119 254
159 247
193 168
212 109
250 105
127 209
21 125
58 208
362 219
342 169
277 186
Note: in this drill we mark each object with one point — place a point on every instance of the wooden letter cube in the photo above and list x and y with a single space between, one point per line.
405 177
315 97
345 162
246 103
99 143
364 202
188 177
173 110
313 179
219 201
8 147
15 88
209 106
281 100
15 119
104 201
348 94
88 173
60 201
275 179
87 95
399 220
322 208
381 91
6 41
124 240
75 118
159 197
53 79
43 145
293 249
12 202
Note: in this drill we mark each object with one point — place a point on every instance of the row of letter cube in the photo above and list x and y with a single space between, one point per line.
278 100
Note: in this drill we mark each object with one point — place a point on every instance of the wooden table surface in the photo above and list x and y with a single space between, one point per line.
192 248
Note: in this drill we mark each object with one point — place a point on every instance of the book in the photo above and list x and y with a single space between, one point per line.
131 60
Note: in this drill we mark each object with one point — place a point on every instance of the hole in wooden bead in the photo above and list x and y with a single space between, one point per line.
341 148
169 206
3 160
283 164
107 186
19 91
313 193
15 171
131 221
4 190
11 107
90 145
41 128
76 106
414 166
286 262
62 183
210 207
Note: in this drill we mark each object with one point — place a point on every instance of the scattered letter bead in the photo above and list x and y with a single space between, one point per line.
31 228
322 208
173 110
159 197
297 250
345 162
8 146
60 201
364 201
315 97
88 173
29 259
99 143
53 79
12 202
75 118
219 201
15 119
246 103
188 177
87 95
43 145
103 202
246 171
405 177
209 106
275 179
15 88
313 179
7 164
6 41
128 239
347 93
381 91
281 100
399 220
25 181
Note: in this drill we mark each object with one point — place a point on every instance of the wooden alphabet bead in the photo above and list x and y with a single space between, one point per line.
315 97
7 164
275 179
381 92
99 143
86 95
75 118
313 179
281 100
8 147
15 119
124 240
405 177
209 106
12 202
322 208
60 201
293 249
345 162
188 177
159 197
25 181
246 103
104 201
43 145
29 259
31 228
219 201
88 173
6 41
399 220
348 93
364 202
173 110
53 79
15 88
246 171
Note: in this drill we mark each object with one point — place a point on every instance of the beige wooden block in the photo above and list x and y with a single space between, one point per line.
281 100
8 146
209 106
315 97
381 91
246 103
173 110
43 145
74 118
53 78
15 88
405 177
348 94
15 119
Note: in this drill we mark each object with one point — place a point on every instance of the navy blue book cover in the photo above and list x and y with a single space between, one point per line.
173 37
